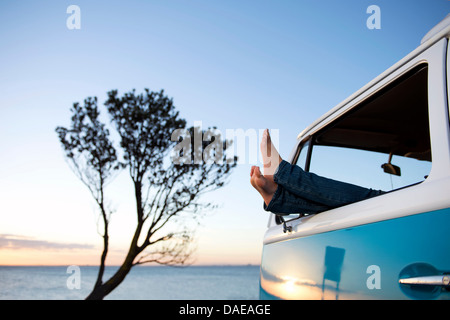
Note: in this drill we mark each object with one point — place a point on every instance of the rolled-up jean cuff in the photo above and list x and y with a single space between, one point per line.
272 202
280 170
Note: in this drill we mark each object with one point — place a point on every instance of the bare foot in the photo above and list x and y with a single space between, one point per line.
265 185
271 158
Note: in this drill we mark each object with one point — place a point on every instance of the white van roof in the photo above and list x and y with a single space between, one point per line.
439 31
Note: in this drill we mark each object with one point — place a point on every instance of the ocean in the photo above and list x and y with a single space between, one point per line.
142 283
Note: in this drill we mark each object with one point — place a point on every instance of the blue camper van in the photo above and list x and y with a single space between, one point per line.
391 135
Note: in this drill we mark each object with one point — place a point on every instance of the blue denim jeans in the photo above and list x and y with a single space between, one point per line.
305 192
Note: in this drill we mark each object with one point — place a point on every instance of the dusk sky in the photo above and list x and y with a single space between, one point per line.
248 64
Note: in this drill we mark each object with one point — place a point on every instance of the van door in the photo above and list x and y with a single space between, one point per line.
393 137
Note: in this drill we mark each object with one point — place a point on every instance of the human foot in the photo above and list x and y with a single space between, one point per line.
265 185
271 158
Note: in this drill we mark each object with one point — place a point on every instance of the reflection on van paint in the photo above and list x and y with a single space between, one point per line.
290 267
290 287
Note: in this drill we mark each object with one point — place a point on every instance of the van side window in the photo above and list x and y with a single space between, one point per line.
384 142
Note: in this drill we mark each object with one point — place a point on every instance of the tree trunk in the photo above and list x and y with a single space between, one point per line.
101 290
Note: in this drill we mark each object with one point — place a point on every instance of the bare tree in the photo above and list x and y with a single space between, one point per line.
167 193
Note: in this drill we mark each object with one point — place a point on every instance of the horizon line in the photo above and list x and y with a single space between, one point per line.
148 265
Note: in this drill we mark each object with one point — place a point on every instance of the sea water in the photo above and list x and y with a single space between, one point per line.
149 283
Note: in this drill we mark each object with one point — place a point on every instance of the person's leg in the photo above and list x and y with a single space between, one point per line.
325 191
276 198
287 188
285 202
279 200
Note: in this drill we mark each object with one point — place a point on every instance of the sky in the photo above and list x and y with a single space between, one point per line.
247 64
